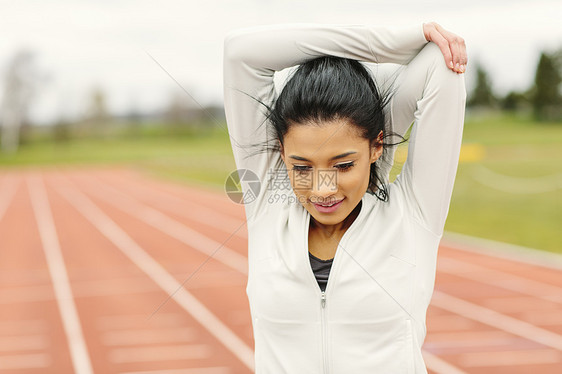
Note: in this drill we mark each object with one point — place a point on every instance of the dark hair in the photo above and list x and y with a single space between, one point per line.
333 88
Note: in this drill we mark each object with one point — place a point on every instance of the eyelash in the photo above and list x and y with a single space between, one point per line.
341 167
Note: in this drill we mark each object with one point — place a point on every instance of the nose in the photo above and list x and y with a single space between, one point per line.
324 186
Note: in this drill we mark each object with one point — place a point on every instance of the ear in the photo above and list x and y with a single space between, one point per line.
376 148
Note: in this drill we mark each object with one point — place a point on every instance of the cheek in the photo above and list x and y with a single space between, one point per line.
361 171
354 179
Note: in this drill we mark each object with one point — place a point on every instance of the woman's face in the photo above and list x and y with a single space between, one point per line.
328 163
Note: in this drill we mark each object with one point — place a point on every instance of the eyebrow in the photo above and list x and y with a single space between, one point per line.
333 158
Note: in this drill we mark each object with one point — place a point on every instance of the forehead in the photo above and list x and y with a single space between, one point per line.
318 142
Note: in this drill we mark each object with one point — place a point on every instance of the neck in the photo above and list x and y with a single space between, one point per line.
338 229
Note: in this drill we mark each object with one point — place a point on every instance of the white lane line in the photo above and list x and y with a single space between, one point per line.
184 208
25 361
157 272
173 228
205 370
496 320
23 343
438 365
488 247
160 353
510 358
61 283
500 279
7 193
146 336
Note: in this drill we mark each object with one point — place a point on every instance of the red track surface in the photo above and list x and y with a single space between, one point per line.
92 263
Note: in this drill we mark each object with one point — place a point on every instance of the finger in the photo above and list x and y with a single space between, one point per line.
458 48
443 45
461 50
464 56
452 39
444 32
455 50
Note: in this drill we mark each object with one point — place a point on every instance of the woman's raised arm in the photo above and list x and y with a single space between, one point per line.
252 55
408 90
433 96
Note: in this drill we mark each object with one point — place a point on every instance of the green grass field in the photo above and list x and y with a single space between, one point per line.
518 199
508 186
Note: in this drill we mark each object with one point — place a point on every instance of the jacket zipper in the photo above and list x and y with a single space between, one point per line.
324 332
324 324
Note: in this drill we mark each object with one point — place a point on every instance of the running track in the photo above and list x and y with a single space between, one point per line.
92 263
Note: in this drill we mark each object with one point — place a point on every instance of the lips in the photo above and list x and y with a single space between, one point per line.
329 204
329 208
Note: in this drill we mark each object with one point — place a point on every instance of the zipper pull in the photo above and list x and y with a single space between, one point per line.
323 299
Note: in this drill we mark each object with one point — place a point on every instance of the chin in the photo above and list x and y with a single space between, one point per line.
333 220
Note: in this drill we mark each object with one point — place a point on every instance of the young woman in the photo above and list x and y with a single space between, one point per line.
342 264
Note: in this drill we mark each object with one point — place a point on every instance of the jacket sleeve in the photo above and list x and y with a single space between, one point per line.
253 55
433 97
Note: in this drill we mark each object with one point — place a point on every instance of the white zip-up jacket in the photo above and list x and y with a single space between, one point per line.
371 317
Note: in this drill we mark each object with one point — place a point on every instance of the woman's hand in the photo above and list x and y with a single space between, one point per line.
452 46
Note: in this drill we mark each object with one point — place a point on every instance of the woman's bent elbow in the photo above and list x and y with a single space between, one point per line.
452 84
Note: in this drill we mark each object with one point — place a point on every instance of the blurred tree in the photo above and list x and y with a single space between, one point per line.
179 109
97 110
134 117
176 109
134 114
97 118
482 95
514 101
181 113
20 82
546 97
61 131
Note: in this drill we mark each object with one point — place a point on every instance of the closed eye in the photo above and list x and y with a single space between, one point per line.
345 167
341 167
300 168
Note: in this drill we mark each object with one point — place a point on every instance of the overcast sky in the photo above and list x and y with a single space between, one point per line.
82 44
